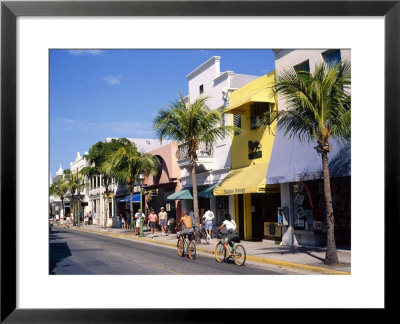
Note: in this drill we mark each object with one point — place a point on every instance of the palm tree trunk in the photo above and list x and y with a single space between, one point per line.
62 212
195 204
331 257
131 207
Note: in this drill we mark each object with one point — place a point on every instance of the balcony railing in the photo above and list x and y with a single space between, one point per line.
183 152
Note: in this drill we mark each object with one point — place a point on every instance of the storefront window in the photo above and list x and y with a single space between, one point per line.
309 204
222 209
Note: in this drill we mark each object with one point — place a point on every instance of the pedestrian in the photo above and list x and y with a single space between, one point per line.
208 219
68 219
170 223
58 219
152 221
163 216
123 217
87 219
139 216
90 218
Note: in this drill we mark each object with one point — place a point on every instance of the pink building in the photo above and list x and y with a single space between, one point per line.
165 183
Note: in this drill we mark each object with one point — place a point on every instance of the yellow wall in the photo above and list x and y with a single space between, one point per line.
263 135
239 145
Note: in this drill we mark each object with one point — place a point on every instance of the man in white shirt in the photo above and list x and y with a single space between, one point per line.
208 220
230 225
137 217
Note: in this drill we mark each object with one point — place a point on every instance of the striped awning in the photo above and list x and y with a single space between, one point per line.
293 160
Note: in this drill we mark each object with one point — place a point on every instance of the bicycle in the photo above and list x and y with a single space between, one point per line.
238 252
204 235
189 246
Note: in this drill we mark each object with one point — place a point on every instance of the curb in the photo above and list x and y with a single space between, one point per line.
286 264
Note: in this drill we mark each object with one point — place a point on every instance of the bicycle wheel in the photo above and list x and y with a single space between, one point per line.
220 252
180 248
192 250
239 255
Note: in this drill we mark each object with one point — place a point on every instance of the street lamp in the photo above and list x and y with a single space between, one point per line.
141 184
79 205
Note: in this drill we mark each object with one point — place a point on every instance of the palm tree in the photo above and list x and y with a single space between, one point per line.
59 188
195 125
75 182
127 164
101 164
318 108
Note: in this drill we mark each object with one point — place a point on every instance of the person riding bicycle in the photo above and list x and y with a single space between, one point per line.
188 222
230 233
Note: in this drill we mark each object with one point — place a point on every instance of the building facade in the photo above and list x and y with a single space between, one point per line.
165 183
255 202
214 163
121 195
297 168
81 197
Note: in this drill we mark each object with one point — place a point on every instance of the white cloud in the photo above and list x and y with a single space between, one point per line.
83 52
113 80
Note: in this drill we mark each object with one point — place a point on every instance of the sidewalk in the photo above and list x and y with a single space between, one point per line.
308 259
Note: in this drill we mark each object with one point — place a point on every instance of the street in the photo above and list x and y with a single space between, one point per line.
75 252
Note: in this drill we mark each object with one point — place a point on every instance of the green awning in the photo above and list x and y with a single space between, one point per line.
183 194
207 192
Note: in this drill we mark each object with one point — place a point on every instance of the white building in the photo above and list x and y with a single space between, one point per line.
55 200
83 194
215 163
297 164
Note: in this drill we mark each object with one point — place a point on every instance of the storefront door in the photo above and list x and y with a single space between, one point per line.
241 216
264 209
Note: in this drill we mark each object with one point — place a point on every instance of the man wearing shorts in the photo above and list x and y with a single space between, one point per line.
208 218
137 217
188 222
162 216
152 220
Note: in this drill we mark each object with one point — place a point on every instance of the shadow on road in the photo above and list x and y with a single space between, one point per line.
57 251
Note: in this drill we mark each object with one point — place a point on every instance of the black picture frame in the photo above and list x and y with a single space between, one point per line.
10 10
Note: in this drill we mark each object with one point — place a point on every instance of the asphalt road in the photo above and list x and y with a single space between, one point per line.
75 252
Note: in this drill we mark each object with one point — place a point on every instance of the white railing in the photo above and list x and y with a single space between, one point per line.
183 151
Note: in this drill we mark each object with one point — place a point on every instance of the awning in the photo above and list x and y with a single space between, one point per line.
136 198
293 160
207 192
251 179
263 95
183 194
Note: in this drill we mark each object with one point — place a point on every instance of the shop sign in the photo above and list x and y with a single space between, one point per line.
272 229
255 155
300 212
299 199
234 191
317 226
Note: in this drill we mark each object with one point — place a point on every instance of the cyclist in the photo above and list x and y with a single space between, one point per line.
188 222
230 233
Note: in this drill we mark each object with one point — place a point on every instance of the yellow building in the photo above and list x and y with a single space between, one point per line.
255 202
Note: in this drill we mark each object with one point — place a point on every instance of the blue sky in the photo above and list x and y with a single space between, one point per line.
96 94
